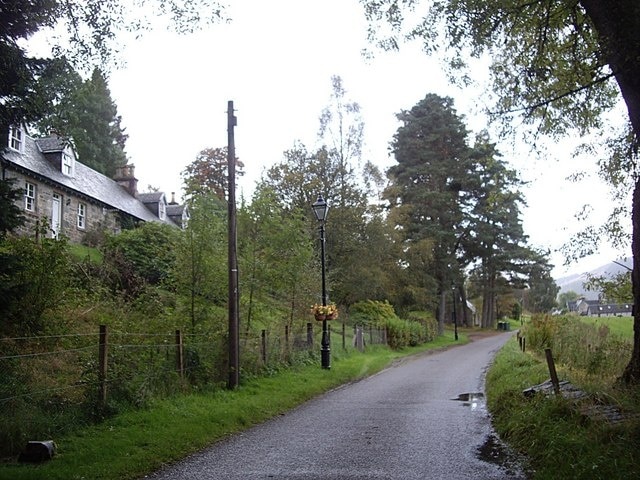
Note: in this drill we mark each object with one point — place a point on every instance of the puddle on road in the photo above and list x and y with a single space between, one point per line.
495 452
474 400
492 451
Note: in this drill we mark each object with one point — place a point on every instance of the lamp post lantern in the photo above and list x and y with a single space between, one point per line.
320 210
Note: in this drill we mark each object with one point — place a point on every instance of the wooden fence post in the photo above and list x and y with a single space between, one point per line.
344 336
263 348
179 354
286 342
552 370
310 335
359 339
102 363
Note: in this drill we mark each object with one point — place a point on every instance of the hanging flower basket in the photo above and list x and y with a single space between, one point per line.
325 312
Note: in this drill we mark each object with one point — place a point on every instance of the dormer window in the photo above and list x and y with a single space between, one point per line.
16 139
67 164
162 209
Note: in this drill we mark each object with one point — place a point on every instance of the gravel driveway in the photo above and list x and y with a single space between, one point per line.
423 418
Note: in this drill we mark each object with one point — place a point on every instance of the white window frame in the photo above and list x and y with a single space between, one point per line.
29 197
67 164
162 209
16 139
56 214
82 215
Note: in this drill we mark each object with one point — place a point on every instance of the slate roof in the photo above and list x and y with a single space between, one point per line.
150 197
609 309
178 213
175 210
85 181
51 144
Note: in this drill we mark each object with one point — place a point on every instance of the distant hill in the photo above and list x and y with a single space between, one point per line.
574 282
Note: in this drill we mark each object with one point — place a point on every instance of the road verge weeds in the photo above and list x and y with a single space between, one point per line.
555 434
135 443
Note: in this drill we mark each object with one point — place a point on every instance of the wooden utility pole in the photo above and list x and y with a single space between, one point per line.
234 328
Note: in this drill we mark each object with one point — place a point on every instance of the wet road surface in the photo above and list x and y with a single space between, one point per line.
424 418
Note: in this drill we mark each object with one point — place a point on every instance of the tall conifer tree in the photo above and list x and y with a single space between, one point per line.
427 187
89 117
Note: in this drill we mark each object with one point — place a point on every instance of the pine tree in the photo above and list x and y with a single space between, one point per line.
427 188
495 238
28 85
89 117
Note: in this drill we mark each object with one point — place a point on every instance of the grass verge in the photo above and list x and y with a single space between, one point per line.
82 252
620 326
559 441
135 443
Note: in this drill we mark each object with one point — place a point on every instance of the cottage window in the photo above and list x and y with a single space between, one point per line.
67 164
162 210
16 139
82 215
29 197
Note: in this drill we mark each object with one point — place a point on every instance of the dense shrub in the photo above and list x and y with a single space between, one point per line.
541 330
428 320
400 333
33 276
370 312
582 347
10 214
145 254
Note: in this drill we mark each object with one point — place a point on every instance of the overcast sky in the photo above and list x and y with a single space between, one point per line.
275 61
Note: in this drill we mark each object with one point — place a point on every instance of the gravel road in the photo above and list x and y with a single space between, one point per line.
420 419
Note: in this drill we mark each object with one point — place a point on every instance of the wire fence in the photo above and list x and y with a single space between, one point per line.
50 383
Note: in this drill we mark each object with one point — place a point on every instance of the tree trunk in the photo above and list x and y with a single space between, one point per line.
618 25
485 306
489 300
441 311
492 301
464 320
631 373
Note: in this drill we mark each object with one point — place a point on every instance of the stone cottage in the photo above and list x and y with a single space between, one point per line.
71 198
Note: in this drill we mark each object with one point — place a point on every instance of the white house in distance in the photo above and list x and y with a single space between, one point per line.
72 198
593 308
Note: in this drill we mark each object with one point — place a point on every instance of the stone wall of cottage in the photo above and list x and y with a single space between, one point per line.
97 217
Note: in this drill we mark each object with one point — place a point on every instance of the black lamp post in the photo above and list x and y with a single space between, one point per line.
320 210
453 313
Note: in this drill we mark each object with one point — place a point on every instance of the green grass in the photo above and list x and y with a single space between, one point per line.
81 252
558 440
620 326
138 442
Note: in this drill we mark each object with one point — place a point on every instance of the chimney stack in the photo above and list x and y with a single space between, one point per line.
125 177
